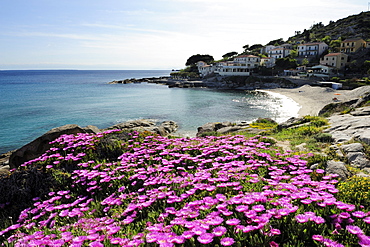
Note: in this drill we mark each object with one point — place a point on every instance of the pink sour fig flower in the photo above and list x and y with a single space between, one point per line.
227 241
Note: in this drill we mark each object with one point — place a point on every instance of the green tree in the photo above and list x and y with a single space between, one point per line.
230 54
286 63
255 47
366 66
335 44
293 53
305 61
326 39
276 42
196 58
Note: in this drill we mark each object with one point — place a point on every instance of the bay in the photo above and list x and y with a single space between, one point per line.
35 101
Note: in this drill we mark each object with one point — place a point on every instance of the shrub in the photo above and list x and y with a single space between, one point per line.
355 190
323 137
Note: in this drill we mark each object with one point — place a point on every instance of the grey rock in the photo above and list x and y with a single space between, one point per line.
337 167
229 129
364 175
301 147
165 128
365 111
133 124
4 169
169 126
314 166
290 123
353 147
347 127
367 170
91 129
364 136
212 127
358 159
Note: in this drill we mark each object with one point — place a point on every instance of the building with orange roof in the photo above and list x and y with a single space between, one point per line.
352 45
336 60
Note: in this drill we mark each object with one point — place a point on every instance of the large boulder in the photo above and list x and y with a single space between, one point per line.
291 122
40 145
337 167
163 129
346 127
355 155
212 127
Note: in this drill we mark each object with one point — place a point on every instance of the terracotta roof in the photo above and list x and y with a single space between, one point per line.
314 43
279 49
245 56
334 54
352 39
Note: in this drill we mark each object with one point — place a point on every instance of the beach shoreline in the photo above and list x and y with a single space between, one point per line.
313 98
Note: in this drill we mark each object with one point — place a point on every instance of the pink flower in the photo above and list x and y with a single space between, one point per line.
96 244
205 238
318 238
274 244
367 220
233 222
301 218
227 241
275 231
359 214
354 229
219 231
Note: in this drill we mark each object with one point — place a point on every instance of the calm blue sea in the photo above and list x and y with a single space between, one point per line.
34 101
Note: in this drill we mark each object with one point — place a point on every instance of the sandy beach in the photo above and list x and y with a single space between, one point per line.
312 98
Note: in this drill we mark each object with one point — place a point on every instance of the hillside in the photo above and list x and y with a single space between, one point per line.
351 26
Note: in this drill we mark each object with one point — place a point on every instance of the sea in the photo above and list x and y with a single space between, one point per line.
34 101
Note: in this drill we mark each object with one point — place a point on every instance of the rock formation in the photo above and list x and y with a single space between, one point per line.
39 146
165 128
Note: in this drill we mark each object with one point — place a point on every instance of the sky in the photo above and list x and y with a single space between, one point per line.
149 34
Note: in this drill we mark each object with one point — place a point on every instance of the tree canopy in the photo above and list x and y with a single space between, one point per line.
230 54
276 42
196 58
286 63
255 47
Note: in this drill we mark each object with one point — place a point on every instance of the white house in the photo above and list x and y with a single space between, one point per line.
205 69
312 49
279 53
267 49
322 70
268 62
242 66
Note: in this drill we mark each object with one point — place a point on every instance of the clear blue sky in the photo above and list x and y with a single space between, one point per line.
149 34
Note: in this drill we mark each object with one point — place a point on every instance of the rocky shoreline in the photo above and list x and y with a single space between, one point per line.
219 82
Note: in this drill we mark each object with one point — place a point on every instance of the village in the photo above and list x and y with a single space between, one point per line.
330 63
